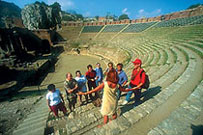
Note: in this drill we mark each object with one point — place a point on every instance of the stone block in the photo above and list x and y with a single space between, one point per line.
172 125
161 132
153 132
195 102
132 116
185 114
100 131
123 123
147 108
140 111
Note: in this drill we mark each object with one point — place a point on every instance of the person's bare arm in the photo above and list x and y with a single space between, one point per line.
76 86
62 98
48 103
100 87
135 88
124 83
127 89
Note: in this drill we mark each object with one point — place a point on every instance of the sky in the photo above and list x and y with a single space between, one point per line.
133 8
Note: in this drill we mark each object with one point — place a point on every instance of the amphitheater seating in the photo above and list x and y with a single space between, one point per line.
181 119
138 27
91 29
181 22
114 28
171 57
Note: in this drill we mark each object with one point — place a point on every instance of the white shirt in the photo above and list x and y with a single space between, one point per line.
53 97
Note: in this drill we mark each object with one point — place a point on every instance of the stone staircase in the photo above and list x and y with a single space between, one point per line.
169 106
35 123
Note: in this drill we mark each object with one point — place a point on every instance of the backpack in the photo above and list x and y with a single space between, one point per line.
147 82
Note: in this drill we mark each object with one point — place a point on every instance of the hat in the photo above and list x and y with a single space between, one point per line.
137 61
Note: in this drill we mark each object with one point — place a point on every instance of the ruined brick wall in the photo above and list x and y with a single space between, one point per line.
182 14
45 34
14 22
175 15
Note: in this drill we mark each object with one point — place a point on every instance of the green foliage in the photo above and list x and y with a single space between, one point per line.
68 18
79 17
74 45
9 10
123 17
73 16
56 6
194 6
97 17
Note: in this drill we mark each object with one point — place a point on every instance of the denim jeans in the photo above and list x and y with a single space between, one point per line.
137 94
118 94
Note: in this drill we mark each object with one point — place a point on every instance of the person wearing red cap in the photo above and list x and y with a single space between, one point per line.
136 81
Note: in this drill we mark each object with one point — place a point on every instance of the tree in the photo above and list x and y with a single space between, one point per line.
123 17
194 6
79 16
97 17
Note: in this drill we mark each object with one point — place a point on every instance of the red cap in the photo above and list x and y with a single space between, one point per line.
137 61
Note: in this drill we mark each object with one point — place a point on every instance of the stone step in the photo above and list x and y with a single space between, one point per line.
32 122
170 76
163 56
35 122
180 121
31 129
162 97
35 116
159 73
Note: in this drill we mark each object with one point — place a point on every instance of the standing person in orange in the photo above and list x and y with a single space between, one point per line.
109 99
136 81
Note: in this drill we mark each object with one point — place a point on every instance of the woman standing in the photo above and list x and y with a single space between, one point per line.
109 99
81 85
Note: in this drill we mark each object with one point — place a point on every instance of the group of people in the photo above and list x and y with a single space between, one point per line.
114 83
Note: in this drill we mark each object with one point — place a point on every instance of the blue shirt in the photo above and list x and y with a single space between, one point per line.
81 83
122 77
99 73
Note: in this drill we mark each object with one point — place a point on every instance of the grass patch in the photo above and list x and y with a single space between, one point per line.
196 44
185 54
165 57
74 44
175 56
195 50
129 57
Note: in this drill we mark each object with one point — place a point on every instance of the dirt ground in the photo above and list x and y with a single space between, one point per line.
16 108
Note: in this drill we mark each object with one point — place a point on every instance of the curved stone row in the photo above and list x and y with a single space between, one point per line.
180 120
175 55
147 107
